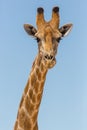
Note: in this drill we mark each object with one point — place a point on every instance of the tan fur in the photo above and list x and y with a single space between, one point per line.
47 34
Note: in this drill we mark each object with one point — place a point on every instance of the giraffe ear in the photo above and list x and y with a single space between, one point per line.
30 29
65 29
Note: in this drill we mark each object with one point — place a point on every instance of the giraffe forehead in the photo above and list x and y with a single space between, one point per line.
47 30
50 30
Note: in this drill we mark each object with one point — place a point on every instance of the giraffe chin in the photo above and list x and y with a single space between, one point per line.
50 63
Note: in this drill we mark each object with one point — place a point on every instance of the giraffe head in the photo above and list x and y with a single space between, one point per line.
48 34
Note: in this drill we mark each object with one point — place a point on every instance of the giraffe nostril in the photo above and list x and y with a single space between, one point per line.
51 56
48 57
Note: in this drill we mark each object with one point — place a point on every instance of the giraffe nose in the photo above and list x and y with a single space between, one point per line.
49 57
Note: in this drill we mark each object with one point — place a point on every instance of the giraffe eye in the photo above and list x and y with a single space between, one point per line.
38 39
58 39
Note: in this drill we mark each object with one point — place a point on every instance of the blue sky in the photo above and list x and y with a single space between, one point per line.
64 103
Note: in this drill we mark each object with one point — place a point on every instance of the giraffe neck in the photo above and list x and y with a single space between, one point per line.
30 102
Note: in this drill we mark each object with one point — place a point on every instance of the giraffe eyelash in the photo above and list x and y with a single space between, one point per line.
38 39
58 39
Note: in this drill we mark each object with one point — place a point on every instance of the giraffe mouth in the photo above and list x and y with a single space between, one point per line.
50 61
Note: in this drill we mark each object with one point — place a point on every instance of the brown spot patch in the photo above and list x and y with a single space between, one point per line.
26 88
21 102
29 106
36 87
33 79
39 97
37 106
35 127
38 60
37 71
33 98
34 117
41 86
24 121
21 118
27 124
44 75
42 67
16 125
31 93
39 76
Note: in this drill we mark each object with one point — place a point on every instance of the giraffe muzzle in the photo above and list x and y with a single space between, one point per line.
50 61
49 57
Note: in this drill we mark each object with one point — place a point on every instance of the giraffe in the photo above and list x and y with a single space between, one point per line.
48 34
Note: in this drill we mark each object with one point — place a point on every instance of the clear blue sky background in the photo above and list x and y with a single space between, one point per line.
64 103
